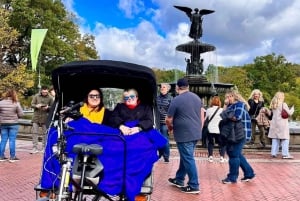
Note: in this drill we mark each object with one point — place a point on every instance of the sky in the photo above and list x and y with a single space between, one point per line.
147 32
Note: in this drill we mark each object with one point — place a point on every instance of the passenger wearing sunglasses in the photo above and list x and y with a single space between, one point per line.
93 108
131 116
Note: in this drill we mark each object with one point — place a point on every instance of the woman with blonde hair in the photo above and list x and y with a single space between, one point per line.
236 112
279 127
256 103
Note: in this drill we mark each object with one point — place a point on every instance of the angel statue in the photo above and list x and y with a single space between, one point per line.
196 20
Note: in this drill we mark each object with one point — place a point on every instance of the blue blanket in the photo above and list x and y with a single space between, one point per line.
134 154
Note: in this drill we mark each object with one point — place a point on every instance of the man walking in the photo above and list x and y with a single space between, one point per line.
41 104
163 102
185 120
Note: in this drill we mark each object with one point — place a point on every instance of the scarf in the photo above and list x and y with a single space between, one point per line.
92 115
132 106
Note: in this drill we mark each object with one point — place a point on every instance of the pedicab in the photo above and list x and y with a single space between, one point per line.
84 161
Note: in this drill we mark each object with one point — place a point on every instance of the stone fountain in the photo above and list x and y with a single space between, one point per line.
194 64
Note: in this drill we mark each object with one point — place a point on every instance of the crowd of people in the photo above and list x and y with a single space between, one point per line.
232 125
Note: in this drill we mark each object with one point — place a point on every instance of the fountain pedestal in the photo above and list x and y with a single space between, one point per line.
198 82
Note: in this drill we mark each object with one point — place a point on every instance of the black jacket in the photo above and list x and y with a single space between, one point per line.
231 131
141 113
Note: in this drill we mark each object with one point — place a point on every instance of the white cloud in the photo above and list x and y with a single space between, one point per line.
131 7
240 30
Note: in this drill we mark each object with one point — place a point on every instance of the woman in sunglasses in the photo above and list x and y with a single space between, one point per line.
93 108
131 116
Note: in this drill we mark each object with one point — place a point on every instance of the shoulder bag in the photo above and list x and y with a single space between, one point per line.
284 113
206 122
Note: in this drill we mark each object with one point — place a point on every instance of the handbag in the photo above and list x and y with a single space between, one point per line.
206 122
284 113
253 117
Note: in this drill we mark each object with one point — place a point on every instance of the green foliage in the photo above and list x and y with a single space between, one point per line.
63 42
169 76
270 74
18 79
238 77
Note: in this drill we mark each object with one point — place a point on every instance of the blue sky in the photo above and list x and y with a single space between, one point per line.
147 31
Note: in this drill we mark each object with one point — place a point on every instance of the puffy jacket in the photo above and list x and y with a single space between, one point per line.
10 112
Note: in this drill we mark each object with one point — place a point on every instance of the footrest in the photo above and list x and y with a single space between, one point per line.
41 192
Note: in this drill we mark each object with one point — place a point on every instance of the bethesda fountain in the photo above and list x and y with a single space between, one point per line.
198 82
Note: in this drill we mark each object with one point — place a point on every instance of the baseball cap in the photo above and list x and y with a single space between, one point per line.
182 82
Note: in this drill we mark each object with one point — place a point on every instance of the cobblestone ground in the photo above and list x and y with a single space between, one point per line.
276 179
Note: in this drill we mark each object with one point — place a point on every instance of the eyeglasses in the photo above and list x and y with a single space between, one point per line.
94 96
126 98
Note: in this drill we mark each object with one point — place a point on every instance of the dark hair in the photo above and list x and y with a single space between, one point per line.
44 87
101 105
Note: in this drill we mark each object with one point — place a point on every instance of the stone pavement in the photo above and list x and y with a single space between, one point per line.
276 179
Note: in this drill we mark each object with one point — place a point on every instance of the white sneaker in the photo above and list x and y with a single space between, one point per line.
222 160
34 151
210 159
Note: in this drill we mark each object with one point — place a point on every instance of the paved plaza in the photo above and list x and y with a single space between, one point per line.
276 179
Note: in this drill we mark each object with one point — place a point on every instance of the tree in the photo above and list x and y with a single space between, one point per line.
63 42
270 74
8 38
169 76
238 77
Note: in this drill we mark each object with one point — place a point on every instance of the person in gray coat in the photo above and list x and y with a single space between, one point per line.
10 112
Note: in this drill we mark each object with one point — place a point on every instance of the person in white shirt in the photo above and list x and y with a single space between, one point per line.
213 113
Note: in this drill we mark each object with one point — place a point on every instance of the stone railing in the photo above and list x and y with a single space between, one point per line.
25 131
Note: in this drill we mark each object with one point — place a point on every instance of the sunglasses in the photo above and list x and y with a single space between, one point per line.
127 97
94 96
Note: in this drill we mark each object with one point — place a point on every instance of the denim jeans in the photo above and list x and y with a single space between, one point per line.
166 150
284 147
236 160
187 164
8 132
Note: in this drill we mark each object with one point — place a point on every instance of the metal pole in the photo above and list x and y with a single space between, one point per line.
39 77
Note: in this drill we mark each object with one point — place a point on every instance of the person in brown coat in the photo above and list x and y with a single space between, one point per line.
41 103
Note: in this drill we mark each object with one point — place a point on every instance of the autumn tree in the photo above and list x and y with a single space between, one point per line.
270 74
63 42
8 37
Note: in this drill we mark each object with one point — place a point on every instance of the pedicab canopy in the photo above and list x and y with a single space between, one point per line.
73 80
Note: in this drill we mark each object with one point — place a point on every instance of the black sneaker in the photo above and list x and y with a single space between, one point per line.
227 181
174 183
247 179
14 159
188 189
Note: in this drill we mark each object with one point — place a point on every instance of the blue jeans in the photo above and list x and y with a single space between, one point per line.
236 160
8 132
187 164
284 147
166 150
